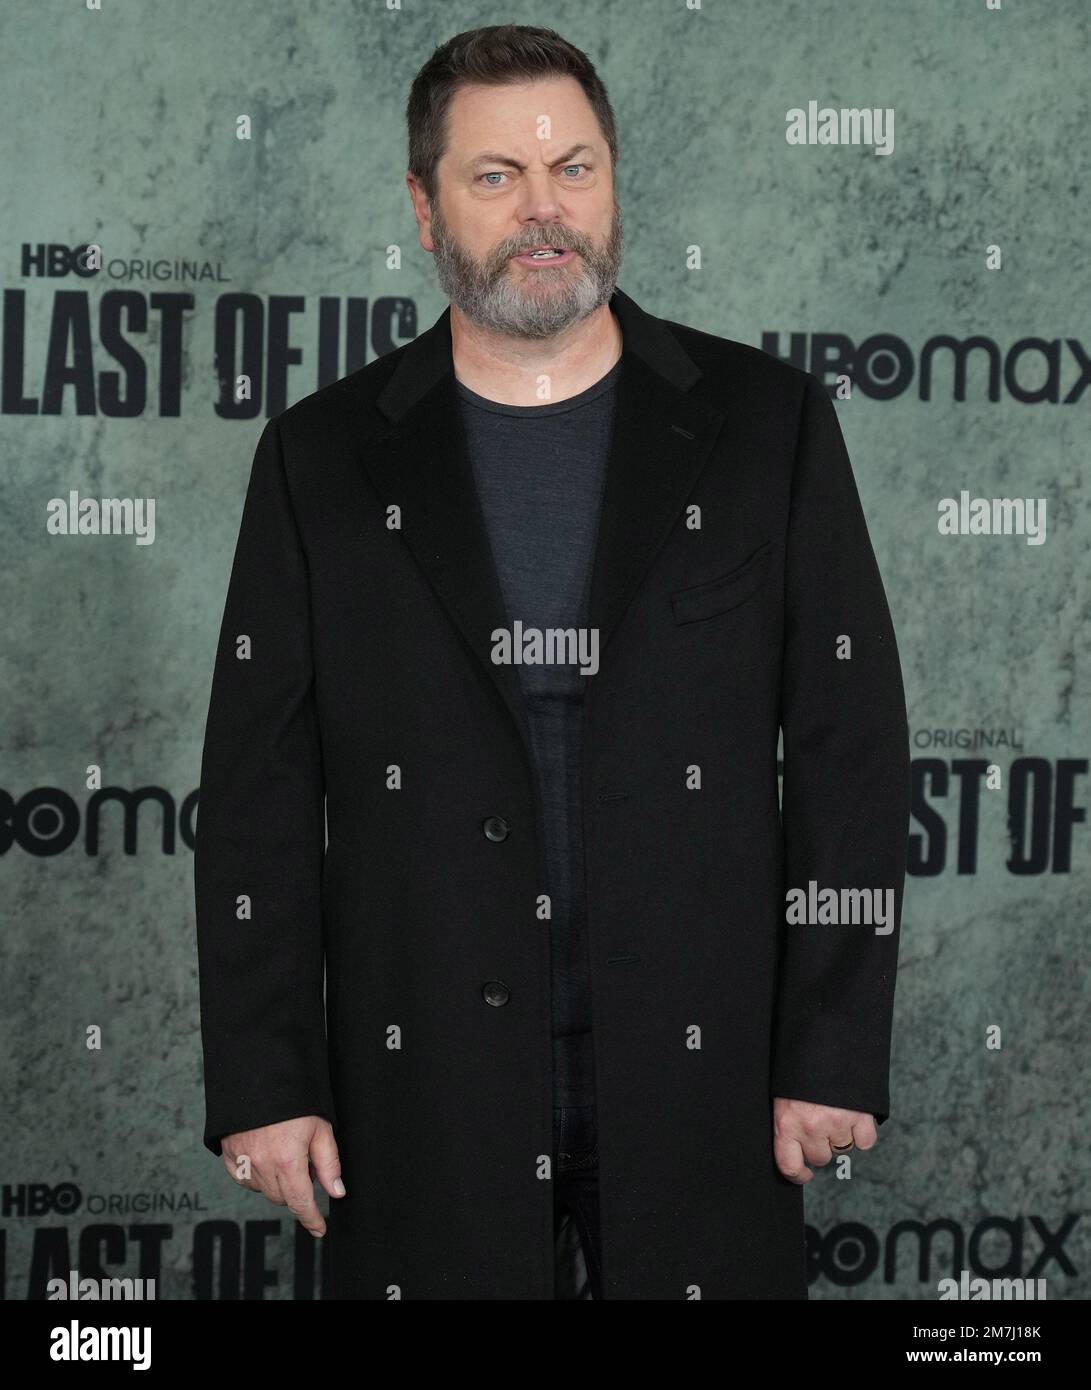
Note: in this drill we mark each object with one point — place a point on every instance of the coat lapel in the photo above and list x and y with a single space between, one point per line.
662 438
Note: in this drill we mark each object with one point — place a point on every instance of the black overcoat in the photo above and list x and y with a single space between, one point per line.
354 693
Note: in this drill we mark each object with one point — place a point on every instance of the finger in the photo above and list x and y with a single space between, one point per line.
234 1166
297 1191
865 1133
788 1154
263 1172
841 1140
265 1182
816 1149
326 1161
269 1188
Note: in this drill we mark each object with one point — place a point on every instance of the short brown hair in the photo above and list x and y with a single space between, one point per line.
497 54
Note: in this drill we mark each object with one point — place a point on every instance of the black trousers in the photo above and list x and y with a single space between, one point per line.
577 1249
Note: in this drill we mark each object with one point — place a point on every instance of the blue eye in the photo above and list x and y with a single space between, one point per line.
497 174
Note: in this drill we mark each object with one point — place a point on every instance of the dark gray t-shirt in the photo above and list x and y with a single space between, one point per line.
540 472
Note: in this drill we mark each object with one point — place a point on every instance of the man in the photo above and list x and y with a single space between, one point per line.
537 1017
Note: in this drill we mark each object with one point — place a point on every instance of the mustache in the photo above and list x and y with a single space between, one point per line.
557 240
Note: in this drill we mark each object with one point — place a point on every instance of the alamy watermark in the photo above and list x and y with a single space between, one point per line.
845 907
101 516
973 1287
89 1289
847 125
551 646
993 516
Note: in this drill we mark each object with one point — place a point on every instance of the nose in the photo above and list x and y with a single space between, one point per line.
539 203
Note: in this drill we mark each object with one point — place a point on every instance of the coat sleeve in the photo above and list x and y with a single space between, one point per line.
845 802
261 832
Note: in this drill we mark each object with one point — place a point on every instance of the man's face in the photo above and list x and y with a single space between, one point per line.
502 191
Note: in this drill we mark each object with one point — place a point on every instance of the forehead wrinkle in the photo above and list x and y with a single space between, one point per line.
490 157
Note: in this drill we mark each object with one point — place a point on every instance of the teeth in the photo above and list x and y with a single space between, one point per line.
547 252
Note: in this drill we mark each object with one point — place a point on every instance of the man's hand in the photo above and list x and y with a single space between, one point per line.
284 1160
806 1133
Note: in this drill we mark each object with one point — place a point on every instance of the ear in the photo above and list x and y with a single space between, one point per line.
421 211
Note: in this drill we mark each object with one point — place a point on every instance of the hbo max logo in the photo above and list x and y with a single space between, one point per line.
47 821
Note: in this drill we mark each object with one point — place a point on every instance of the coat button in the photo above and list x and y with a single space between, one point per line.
496 993
495 828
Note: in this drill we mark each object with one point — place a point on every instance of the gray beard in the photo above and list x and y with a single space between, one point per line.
489 295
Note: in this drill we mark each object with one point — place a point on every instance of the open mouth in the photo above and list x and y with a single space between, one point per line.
544 255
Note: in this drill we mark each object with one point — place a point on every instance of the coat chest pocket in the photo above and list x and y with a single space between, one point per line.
726 591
